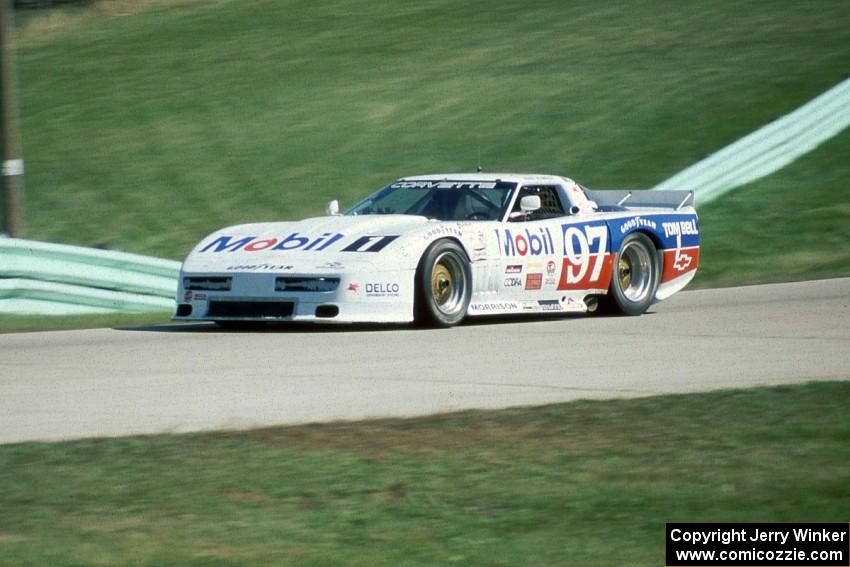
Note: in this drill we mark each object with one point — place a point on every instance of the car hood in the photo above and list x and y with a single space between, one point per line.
310 243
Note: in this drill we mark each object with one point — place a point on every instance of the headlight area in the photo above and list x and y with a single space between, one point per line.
308 284
257 296
195 287
208 283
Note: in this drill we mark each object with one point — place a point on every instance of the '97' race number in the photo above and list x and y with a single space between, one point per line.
586 263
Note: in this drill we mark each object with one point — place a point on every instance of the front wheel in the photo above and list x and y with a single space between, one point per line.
443 284
636 275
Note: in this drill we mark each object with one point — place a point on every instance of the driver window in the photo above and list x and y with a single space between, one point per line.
550 204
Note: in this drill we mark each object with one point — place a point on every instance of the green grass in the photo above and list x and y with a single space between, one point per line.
584 483
148 124
30 323
792 225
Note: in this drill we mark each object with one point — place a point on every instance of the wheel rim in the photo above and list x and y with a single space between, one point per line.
634 272
448 284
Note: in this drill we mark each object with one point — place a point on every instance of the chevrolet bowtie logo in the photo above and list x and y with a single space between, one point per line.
682 262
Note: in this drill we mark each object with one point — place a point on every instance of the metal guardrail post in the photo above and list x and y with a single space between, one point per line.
11 164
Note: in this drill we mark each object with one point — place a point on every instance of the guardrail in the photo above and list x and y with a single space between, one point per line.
768 149
59 279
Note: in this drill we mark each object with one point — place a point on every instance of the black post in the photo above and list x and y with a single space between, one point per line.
11 164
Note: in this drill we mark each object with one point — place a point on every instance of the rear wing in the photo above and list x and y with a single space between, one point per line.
641 199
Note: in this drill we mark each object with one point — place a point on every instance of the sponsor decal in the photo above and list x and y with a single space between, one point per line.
680 228
683 260
292 241
533 281
388 289
267 267
376 289
679 261
478 243
443 230
513 269
512 281
586 263
526 242
635 223
330 266
370 243
189 295
443 185
501 306
550 305
551 274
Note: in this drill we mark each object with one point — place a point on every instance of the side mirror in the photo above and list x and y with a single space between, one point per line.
332 208
530 203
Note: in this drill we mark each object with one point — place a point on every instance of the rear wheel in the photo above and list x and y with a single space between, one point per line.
443 285
636 275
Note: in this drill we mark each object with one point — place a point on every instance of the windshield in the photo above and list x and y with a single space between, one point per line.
439 199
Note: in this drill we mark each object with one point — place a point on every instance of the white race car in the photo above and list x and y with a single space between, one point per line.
439 248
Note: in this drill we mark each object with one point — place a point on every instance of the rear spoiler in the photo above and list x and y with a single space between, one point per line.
642 199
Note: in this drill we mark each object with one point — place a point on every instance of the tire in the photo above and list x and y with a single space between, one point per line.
443 285
636 275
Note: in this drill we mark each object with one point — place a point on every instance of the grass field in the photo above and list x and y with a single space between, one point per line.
148 124
585 483
29 323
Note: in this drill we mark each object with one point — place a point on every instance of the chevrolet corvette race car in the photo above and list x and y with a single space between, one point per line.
439 248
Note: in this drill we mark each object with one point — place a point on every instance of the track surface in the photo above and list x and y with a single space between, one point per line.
177 378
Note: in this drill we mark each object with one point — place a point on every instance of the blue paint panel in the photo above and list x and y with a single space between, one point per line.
583 227
667 229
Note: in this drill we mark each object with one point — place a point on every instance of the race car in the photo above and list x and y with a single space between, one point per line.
437 249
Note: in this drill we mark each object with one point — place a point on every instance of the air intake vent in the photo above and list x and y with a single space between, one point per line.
250 309
327 311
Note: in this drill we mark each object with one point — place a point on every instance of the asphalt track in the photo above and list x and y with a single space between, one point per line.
178 378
